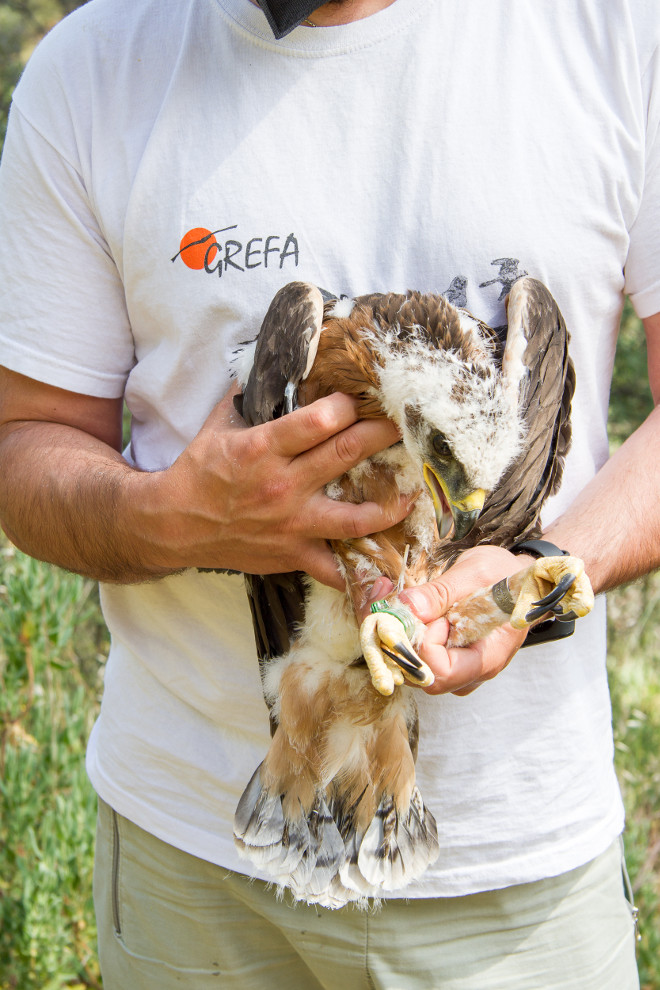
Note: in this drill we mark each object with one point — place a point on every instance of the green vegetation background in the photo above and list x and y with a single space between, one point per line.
52 649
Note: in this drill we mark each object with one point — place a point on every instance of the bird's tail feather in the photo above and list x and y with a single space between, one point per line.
397 848
323 855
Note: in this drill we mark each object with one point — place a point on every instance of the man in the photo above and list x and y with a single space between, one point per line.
180 165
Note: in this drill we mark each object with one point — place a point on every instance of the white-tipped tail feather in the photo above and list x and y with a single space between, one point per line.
332 853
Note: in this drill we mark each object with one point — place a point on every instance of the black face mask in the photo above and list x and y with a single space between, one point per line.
285 15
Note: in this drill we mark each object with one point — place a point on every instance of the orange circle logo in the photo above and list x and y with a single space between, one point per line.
198 248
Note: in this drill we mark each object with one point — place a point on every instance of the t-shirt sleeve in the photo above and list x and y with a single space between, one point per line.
642 270
63 317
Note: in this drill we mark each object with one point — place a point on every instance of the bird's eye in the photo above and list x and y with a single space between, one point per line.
440 445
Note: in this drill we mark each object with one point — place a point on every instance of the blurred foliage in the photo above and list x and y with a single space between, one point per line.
630 397
22 24
634 669
52 644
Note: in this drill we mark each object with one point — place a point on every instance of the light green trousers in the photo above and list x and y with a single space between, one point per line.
167 919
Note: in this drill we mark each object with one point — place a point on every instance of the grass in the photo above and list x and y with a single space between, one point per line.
52 644
634 665
634 670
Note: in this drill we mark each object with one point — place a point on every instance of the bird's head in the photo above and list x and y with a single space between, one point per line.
459 424
457 502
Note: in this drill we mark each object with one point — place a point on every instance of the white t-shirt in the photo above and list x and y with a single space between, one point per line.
168 167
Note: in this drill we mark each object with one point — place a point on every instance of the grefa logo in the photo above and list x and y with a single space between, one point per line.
216 253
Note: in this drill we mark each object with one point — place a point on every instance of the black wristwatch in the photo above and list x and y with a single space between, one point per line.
559 626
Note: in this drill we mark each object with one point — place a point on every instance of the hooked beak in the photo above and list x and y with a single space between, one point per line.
461 513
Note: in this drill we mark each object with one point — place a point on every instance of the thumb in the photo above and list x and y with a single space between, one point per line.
429 601
479 567
224 415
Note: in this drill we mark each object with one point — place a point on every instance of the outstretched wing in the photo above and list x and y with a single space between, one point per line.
536 359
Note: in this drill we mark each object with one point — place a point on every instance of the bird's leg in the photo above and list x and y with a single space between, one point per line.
389 634
549 586
386 637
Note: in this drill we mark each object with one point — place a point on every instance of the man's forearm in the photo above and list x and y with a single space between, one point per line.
62 499
242 499
614 524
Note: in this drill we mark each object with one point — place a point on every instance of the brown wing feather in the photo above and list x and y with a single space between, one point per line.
288 334
277 600
291 326
345 363
512 511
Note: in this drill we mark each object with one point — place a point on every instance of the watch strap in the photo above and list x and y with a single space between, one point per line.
538 548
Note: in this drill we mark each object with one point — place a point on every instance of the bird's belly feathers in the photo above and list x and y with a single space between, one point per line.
328 643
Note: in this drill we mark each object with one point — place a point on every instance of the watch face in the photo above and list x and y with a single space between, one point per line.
285 15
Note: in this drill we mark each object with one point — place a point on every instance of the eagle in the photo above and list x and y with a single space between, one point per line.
334 813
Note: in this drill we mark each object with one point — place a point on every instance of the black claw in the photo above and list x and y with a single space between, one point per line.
408 654
413 668
551 601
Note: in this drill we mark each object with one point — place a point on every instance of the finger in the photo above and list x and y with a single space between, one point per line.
460 670
345 521
319 562
324 441
464 672
326 571
428 601
381 587
477 568
456 670
480 662
345 450
306 428
434 653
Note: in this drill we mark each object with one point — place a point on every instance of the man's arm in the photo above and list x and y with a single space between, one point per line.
239 498
613 525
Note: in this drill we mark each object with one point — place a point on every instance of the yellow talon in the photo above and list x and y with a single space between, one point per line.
382 630
538 580
384 673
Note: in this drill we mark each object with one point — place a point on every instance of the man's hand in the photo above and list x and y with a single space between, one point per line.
461 670
252 499
236 498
